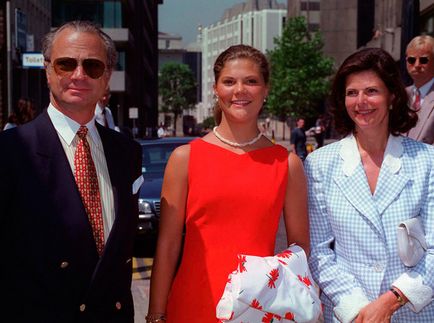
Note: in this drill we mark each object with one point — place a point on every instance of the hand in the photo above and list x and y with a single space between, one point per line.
380 310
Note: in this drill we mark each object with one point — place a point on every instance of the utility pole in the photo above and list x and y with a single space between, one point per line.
9 56
410 28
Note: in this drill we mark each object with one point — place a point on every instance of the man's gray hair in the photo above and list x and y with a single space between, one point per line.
85 27
421 41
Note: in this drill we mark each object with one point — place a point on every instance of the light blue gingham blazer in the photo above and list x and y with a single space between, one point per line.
364 262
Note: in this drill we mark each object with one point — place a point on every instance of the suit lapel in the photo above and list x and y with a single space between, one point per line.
424 114
389 186
55 172
356 190
353 182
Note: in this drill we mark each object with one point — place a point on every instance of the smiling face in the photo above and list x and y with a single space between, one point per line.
241 90
367 100
76 94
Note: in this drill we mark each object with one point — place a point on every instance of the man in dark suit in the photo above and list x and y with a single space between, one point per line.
420 66
68 195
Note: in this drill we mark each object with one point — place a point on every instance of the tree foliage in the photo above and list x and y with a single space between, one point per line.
300 72
177 89
209 123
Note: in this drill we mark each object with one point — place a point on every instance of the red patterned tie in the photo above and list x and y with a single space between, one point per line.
87 182
416 100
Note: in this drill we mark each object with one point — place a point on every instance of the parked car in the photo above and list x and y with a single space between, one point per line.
155 154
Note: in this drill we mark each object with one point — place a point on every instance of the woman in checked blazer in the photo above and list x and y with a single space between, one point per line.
360 189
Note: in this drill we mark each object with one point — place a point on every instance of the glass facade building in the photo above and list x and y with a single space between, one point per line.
108 14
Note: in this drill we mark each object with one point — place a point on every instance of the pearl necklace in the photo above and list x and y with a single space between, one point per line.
236 144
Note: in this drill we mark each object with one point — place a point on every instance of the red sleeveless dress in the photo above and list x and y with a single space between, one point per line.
233 206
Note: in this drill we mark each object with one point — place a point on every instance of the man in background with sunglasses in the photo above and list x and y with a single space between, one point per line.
420 66
68 195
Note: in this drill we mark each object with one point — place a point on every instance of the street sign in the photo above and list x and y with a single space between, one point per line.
133 113
33 60
20 30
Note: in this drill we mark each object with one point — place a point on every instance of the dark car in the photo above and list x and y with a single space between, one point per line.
155 154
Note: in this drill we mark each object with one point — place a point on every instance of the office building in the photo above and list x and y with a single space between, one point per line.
23 23
352 24
255 23
310 9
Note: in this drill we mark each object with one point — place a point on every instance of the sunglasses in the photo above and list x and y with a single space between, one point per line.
422 60
65 66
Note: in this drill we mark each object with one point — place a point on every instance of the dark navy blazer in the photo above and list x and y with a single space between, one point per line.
50 269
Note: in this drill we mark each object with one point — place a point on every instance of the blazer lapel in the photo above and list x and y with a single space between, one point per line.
55 172
354 185
356 190
389 186
392 178
424 114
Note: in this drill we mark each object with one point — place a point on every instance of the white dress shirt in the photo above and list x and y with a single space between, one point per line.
104 117
66 129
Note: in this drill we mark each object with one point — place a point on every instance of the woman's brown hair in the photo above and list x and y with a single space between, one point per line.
401 117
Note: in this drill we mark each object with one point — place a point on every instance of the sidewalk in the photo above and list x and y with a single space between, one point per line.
309 141
282 134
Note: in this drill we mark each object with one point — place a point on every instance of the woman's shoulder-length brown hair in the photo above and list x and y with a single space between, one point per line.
401 117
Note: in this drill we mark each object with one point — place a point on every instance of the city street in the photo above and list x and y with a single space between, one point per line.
141 273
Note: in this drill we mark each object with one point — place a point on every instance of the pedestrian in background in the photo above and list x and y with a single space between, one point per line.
298 139
360 189
161 131
420 66
103 114
228 189
68 202
24 113
320 129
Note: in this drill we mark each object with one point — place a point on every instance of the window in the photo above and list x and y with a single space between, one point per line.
108 14
309 5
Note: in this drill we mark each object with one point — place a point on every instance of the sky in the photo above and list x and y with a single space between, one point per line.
183 16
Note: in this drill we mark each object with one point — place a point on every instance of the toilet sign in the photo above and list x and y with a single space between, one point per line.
33 60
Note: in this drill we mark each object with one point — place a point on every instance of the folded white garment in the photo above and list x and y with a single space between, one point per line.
271 289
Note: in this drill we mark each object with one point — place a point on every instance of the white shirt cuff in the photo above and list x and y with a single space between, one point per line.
418 294
350 305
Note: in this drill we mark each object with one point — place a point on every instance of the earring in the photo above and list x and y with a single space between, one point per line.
390 107
265 100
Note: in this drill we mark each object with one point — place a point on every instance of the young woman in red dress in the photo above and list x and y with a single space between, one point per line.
228 190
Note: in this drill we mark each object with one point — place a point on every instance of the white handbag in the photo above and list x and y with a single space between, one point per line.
411 241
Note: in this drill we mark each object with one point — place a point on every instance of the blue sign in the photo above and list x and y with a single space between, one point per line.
20 30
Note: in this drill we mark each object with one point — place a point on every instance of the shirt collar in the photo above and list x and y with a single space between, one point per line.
424 89
349 152
99 109
67 128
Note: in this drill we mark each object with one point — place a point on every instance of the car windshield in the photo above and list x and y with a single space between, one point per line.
155 157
